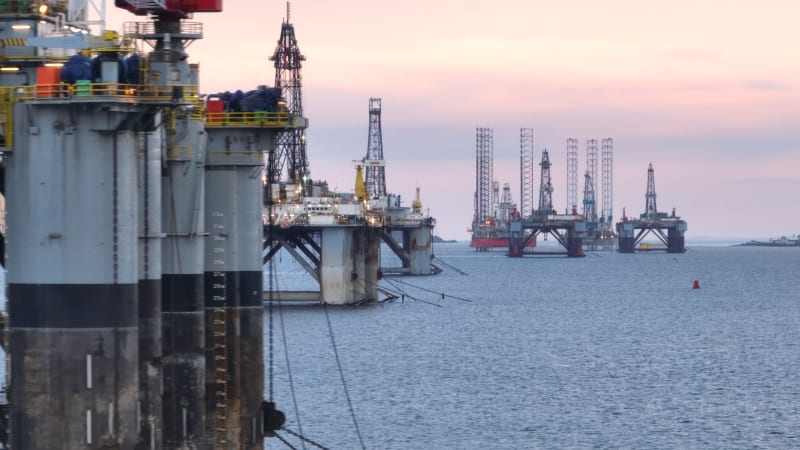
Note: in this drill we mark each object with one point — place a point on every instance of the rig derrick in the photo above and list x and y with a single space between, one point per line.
669 229
290 149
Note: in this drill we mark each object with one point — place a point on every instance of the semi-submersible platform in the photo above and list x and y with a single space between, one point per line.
134 238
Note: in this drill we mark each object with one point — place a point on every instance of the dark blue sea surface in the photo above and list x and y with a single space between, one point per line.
606 351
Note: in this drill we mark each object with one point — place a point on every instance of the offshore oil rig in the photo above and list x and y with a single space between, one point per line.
498 223
669 229
414 249
495 211
567 229
600 234
335 237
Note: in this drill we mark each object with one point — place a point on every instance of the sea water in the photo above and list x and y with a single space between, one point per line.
606 351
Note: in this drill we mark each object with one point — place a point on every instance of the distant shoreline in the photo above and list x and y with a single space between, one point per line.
439 240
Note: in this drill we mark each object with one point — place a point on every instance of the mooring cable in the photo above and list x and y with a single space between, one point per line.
280 438
444 263
433 292
305 439
406 294
377 285
341 375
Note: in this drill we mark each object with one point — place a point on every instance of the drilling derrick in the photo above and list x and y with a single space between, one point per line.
572 175
483 176
526 171
670 229
545 188
374 162
650 209
506 205
607 207
290 145
589 206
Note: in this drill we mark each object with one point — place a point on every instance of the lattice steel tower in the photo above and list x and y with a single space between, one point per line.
650 209
484 150
506 204
545 187
607 207
591 158
572 175
376 176
495 198
290 145
526 172
589 206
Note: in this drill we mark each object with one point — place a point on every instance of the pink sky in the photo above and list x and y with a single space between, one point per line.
706 91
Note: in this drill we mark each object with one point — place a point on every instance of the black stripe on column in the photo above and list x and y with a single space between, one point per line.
182 293
233 289
72 305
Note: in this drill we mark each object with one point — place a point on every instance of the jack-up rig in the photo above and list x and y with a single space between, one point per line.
493 210
335 237
668 228
599 232
134 217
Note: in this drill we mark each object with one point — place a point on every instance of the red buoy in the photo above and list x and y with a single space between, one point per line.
696 285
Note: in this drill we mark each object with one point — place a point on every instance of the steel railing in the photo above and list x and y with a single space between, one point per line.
248 119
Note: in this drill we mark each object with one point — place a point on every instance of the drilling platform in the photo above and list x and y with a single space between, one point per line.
133 219
599 232
332 237
669 229
567 229
335 237
411 225
499 224
495 211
